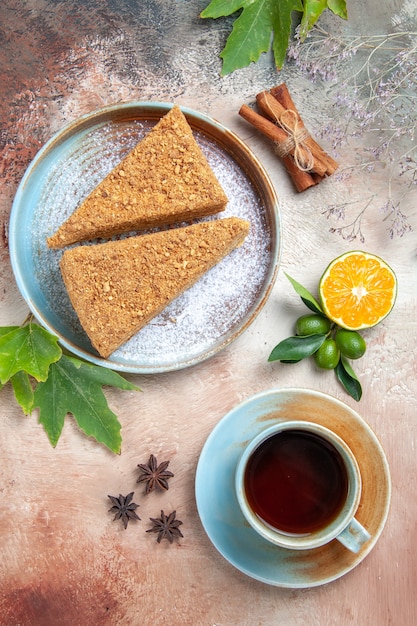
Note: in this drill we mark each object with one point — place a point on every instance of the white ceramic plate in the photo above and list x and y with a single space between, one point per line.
201 321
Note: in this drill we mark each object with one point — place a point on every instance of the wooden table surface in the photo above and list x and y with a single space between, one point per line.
64 561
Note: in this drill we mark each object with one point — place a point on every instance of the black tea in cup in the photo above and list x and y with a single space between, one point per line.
296 482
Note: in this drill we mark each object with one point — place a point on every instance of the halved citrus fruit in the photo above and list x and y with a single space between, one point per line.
357 290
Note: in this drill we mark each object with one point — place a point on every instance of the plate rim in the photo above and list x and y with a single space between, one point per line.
103 115
253 416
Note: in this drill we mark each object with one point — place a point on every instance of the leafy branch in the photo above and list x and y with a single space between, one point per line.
315 337
259 20
44 378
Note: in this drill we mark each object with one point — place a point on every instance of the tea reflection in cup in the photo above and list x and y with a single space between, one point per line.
298 485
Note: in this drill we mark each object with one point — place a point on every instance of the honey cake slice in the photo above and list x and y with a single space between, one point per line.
165 179
117 287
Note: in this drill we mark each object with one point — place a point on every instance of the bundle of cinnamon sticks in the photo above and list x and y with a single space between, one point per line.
304 159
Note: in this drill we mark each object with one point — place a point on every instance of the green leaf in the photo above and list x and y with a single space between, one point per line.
252 29
282 22
308 299
250 37
76 387
338 7
294 349
23 391
4 330
30 348
103 375
347 377
312 11
314 8
258 19
222 8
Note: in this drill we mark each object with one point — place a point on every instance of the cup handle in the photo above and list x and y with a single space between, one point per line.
354 536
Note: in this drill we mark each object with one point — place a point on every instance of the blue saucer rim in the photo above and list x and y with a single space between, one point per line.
247 408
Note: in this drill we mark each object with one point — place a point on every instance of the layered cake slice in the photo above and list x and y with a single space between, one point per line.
165 179
117 287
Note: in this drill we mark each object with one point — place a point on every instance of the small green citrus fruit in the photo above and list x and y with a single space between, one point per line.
312 325
350 343
328 355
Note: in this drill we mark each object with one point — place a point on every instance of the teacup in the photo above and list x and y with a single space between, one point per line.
298 485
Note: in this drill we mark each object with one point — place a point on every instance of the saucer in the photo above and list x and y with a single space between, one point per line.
219 511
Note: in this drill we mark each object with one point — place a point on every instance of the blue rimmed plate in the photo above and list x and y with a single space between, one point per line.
207 317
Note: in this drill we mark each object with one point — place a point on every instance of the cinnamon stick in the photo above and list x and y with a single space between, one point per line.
302 180
284 99
274 110
267 128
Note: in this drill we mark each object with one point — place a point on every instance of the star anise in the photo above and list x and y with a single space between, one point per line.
166 526
124 508
154 475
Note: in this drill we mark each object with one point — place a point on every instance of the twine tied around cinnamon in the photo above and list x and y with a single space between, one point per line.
297 134
280 122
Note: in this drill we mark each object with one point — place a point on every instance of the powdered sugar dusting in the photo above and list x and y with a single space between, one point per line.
199 322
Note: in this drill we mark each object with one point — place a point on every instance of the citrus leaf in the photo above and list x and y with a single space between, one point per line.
308 299
252 29
347 377
23 391
29 348
294 349
76 387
